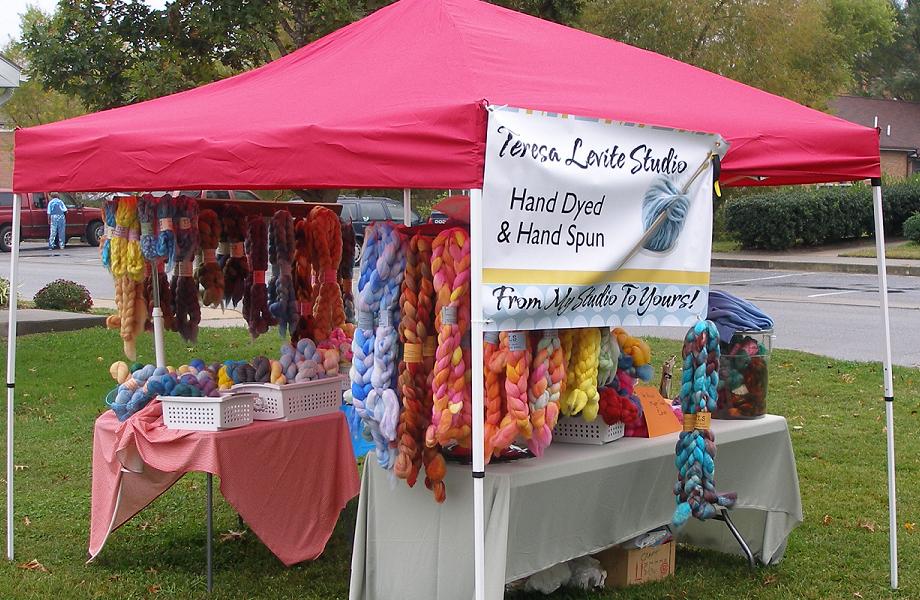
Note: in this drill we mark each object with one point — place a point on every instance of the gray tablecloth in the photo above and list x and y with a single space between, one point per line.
573 501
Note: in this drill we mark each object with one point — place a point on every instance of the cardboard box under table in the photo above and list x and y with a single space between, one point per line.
575 500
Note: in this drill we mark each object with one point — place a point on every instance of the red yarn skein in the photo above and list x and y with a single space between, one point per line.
255 305
236 267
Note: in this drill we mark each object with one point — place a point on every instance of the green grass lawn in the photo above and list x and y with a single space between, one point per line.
834 409
910 250
725 246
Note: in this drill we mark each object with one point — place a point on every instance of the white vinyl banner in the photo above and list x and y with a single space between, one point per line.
566 200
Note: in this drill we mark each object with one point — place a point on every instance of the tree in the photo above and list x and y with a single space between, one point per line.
801 49
31 104
892 70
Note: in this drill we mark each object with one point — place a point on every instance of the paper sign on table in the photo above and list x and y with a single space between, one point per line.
659 417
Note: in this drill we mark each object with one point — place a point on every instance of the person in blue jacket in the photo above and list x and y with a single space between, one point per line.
57 220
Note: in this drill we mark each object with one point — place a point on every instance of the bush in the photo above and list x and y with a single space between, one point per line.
912 228
4 292
62 294
792 216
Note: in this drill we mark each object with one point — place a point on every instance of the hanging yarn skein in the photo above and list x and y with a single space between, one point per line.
346 268
184 285
236 267
147 216
303 281
166 235
127 265
326 248
105 249
166 299
209 274
696 445
493 370
282 298
543 390
517 378
608 358
416 302
255 303
382 403
450 385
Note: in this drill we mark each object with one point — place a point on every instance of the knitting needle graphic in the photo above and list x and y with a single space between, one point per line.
664 216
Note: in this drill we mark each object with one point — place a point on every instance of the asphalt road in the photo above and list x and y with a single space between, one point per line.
833 314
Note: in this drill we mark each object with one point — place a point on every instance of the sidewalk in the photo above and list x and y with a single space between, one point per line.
33 320
823 259
210 317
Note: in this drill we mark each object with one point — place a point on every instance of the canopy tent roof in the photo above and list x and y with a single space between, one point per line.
396 100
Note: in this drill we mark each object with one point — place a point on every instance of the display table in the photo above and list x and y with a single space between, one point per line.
288 480
573 501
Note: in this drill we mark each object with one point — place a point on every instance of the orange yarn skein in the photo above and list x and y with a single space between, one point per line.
416 302
493 369
517 370
326 247
303 281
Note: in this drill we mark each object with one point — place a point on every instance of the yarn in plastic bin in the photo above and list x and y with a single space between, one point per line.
581 395
236 266
209 274
696 448
255 302
664 196
382 402
416 302
282 297
608 358
326 250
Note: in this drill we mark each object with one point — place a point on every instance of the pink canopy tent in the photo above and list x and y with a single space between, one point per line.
396 100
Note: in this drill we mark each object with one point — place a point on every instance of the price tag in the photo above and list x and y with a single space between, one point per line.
185 223
330 276
412 353
449 315
659 417
185 268
365 320
210 255
550 333
146 228
490 337
383 319
166 224
517 341
258 277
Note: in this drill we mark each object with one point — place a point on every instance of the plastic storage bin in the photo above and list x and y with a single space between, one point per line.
575 430
743 375
207 413
294 401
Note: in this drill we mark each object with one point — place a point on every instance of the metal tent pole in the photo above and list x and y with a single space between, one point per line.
407 207
159 343
11 372
476 322
889 384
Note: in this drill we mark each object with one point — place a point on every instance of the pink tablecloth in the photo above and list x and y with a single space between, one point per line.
288 480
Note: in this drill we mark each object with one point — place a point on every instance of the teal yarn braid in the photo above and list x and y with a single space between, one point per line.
696 449
108 213
664 195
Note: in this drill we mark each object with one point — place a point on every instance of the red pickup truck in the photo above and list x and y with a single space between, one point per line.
84 222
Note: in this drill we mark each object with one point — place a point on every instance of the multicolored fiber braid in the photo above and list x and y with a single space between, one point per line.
616 408
635 355
696 446
209 274
282 299
184 285
607 360
493 370
108 214
166 235
370 289
516 421
326 249
236 267
450 267
567 338
544 381
147 218
581 395
346 268
303 281
255 302
416 302
382 403
127 264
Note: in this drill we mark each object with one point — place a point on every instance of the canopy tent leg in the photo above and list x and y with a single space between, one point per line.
889 384
476 322
407 207
11 372
159 343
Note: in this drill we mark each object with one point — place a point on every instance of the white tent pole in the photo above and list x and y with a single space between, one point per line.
407 207
11 372
476 322
889 383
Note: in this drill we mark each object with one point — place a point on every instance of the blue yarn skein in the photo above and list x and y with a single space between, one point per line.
108 213
696 449
146 216
166 236
664 195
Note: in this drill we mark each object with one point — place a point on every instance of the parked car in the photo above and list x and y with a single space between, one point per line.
222 194
84 222
438 218
367 209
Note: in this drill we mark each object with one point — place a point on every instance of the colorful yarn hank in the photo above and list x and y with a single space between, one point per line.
127 267
282 297
236 266
664 196
255 304
608 358
368 305
184 286
581 395
303 281
493 369
635 355
416 302
209 274
516 421
166 234
326 249
147 216
108 215
346 269
543 390
696 447
451 393
382 403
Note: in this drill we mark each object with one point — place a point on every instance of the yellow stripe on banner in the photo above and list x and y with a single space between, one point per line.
551 277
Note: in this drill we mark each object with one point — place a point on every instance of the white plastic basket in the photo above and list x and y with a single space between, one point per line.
575 430
206 413
294 401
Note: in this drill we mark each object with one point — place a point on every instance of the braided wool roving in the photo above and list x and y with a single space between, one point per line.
346 268
635 355
382 402
368 304
450 267
255 303
493 379
581 395
696 447
184 285
209 274
309 361
616 408
282 297
543 390
416 302
166 235
608 358
326 250
517 378
236 267
303 281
